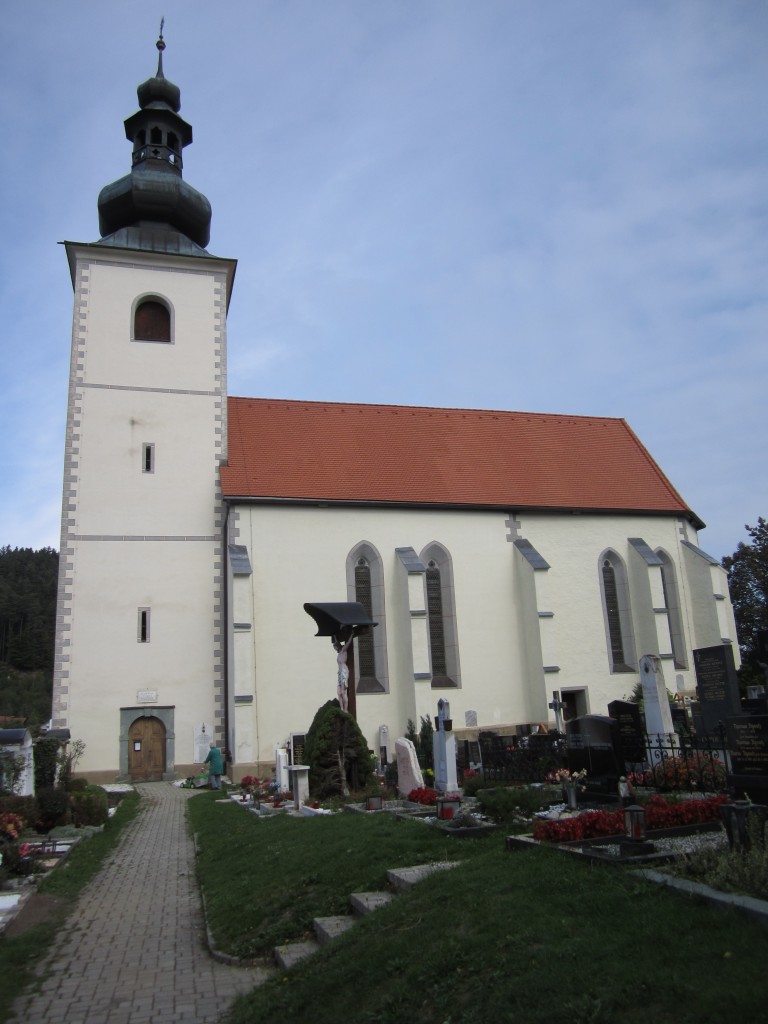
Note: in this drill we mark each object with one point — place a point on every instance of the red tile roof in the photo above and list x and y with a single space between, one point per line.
390 454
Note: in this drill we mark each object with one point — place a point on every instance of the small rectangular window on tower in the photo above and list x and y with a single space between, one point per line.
143 626
148 458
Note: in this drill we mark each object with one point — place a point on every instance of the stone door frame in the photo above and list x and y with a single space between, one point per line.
166 715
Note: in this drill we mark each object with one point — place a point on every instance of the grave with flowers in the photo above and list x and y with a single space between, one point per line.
594 753
658 830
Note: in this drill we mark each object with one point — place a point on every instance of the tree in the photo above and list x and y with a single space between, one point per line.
338 756
747 570
28 584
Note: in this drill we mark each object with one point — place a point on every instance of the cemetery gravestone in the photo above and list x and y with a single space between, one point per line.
716 685
658 717
631 731
748 747
592 742
444 750
299 784
408 771
679 718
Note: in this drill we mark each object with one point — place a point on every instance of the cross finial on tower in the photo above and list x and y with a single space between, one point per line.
160 44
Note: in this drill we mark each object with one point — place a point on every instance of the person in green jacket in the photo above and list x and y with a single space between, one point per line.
216 762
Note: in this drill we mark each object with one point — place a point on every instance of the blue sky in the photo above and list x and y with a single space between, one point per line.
543 205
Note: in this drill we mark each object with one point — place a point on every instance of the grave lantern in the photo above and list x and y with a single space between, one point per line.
448 807
634 823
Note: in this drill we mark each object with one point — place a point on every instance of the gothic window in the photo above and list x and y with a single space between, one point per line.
156 137
152 320
366 655
441 617
436 624
365 583
672 605
616 609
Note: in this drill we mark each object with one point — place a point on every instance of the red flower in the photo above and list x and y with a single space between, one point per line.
423 795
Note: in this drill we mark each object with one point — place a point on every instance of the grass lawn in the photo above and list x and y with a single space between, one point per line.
20 954
531 936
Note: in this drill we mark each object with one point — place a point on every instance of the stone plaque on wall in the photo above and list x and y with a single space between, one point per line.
202 736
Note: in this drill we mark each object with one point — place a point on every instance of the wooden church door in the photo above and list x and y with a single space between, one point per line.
146 750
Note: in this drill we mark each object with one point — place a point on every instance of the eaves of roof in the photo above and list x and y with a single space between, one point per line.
348 454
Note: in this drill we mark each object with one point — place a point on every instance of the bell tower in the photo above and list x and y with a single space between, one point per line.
140 645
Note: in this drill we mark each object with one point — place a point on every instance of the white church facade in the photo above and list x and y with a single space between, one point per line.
503 556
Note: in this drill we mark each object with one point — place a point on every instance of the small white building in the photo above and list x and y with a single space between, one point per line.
503 555
17 765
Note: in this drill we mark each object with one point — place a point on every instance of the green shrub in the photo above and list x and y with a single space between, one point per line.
89 806
25 806
337 754
10 858
390 775
46 753
508 804
53 809
471 782
78 785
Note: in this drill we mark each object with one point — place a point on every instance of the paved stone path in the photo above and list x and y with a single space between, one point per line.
134 950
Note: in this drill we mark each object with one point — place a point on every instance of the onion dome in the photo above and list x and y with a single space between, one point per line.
153 207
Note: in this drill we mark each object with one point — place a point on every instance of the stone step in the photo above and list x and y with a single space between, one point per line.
366 902
329 928
294 952
402 879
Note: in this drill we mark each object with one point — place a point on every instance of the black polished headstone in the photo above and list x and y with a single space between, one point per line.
592 742
632 740
748 747
716 685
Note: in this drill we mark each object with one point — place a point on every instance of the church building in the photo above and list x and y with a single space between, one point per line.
503 556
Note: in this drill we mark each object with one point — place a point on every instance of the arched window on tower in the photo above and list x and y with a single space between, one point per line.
152 320
672 605
441 617
617 613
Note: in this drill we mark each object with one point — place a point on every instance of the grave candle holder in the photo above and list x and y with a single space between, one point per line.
635 844
634 823
448 807
373 803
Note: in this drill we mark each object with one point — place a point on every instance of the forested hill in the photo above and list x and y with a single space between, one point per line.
28 581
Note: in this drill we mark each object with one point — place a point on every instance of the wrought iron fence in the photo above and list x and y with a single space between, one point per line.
521 758
683 761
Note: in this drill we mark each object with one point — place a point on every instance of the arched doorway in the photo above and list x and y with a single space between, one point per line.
146 750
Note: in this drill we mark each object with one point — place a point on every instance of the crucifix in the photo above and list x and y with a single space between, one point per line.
557 706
